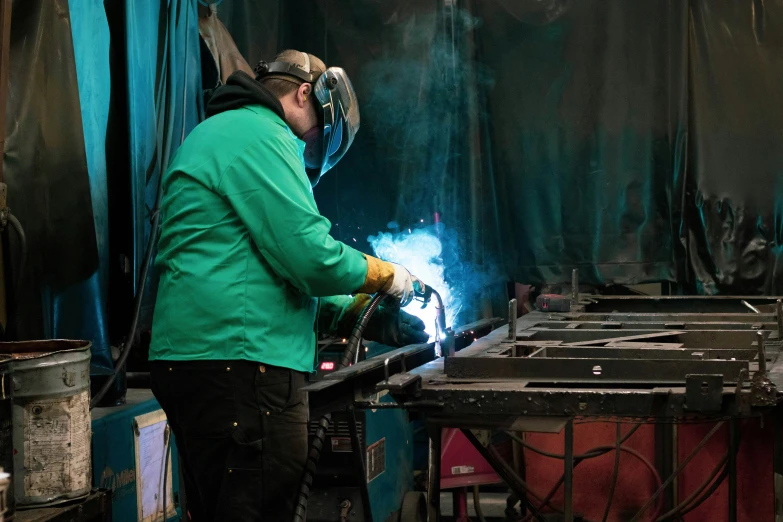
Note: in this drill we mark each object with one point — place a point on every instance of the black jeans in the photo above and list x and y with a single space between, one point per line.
241 432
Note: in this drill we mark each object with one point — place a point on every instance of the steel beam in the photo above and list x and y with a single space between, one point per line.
588 370
433 473
568 471
733 442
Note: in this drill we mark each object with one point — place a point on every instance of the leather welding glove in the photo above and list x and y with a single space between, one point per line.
390 278
394 327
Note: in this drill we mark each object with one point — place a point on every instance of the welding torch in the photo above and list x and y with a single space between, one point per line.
423 293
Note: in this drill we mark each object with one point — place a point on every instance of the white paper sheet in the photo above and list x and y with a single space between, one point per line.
150 442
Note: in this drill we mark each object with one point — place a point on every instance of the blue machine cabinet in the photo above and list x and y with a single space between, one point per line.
386 439
114 454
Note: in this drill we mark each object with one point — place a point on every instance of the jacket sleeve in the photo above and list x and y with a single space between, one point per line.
268 189
338 314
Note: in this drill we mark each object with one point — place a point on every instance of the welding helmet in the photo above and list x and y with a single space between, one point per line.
336 105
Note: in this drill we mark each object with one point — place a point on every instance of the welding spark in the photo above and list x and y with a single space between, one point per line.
420 252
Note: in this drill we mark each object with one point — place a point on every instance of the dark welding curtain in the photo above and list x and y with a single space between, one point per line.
639 142
635 141
734 192
45 165
588 129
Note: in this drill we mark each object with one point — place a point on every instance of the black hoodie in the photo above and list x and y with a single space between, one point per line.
240 90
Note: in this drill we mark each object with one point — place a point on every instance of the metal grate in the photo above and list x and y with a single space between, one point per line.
338 428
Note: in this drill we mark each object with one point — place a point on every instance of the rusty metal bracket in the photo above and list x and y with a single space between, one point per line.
704 393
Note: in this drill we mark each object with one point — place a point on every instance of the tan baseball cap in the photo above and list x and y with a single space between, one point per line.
306 62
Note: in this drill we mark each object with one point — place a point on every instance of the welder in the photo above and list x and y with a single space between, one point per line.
248 274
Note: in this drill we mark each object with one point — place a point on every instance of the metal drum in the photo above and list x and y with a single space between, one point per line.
50 420
6 445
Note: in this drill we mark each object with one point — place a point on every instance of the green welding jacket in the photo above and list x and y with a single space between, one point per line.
244 253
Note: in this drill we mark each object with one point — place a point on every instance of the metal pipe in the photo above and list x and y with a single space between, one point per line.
762 353
574 287
751 307
733 429
512 320
504 470
568 482
433 475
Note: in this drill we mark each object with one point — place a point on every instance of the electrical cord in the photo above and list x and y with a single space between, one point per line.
696 498
604 449
535 512
677 471
615 474
588 455
167 440
142 284
688 505
477 505
710 485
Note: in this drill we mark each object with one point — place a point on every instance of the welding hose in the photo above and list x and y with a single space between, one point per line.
699 495
142 284
316 446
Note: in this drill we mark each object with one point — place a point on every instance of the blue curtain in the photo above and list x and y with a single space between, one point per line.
164 96
80 311
162 66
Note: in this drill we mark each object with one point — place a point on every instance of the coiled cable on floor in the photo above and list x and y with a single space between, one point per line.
316 446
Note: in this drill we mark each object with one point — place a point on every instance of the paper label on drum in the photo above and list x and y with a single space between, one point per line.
57 446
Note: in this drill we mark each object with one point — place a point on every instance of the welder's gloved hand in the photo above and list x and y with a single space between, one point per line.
390 278
394 327
401 285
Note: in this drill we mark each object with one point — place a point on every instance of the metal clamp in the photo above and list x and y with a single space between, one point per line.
763 392
512 322
704 393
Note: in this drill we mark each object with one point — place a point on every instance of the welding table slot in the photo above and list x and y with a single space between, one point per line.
690 338
542 369
653 325
607 352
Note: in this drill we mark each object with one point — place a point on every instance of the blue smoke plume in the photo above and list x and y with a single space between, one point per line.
432 254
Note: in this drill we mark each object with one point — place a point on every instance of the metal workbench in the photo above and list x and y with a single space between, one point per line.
663 360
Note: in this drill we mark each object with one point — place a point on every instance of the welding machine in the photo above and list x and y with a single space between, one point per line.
385 438
125 449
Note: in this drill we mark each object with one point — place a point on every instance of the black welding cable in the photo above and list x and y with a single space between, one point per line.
607 449
677 471
692 502
316 446
588 455
167 440
615 473
141 286
698 496
536 511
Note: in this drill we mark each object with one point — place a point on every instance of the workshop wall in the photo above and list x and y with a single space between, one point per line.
637 144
